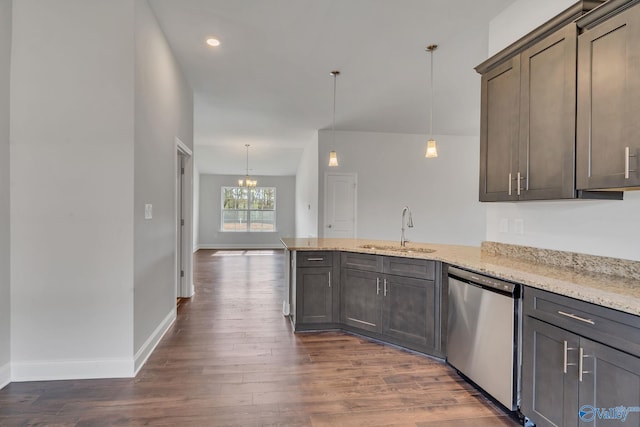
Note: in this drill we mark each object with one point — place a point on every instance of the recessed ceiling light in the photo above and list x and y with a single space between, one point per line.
213 42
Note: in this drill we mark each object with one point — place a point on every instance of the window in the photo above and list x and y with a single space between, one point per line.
248 209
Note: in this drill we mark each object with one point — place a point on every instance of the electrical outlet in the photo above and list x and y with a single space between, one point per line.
504 225
148 211
518 226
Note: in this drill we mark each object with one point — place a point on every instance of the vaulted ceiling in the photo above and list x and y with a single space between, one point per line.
268 83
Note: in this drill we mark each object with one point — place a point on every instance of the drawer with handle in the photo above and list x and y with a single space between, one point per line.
607 326
314 258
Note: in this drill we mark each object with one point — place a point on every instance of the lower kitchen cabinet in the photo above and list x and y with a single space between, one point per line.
401 308
393 299
315 304
408 310
361 300
549 389
569 379
316 292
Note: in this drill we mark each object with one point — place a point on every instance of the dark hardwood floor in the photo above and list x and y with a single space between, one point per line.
231 359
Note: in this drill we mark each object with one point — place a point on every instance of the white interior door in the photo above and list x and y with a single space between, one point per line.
340 203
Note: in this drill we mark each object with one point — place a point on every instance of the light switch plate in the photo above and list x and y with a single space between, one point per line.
148 211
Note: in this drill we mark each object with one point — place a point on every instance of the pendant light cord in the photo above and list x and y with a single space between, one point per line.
333 126
430 49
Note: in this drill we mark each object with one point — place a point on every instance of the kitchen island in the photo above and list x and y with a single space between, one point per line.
608 282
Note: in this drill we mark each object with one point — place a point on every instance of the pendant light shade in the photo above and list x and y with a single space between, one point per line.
432 147
333 156
247 182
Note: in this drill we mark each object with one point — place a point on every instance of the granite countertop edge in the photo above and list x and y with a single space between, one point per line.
618 293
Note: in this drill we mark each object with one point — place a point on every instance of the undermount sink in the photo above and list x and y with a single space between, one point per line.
393 248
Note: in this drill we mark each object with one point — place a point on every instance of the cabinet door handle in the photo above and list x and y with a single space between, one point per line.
315 259
574 317
518 183
626 162
509 183
329 279
580 371
385 287
377 286
627 157
580 364
566 357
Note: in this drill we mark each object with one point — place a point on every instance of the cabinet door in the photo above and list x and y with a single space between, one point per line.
315 296
610 381
361 300
549 374
499 128
408 311
547 117
609 103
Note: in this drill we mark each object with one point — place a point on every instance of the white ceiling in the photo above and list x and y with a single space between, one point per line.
268 84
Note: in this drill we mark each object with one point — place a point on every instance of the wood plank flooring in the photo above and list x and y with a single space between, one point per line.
231 359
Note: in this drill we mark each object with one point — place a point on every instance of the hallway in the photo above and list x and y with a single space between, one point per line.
231 359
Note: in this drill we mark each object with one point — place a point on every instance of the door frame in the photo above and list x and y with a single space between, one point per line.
186 288
326 199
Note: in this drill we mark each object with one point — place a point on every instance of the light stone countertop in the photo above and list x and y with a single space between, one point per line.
608 290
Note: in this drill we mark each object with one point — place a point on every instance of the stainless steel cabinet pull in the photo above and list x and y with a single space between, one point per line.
315 259
509 183
627 157
626 162
518 183
580 371
573 316
385 287
377 286
565 362
329 279
580 365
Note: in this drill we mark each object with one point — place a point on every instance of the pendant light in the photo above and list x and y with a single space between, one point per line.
247 182
432 148
333 156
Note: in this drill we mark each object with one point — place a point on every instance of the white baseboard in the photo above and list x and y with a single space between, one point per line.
5 375
49 370
241 246
152 342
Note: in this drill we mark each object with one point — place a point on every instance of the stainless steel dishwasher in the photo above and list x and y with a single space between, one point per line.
483 333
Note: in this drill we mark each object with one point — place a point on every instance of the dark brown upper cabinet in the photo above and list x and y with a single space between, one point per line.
608 119
527 135
528 115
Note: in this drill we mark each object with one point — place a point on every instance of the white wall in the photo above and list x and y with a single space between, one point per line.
393 172
307 192
520 18
608 228
210 199
5 288
72 127
163 111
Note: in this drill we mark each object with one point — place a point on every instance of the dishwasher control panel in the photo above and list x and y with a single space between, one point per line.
485 281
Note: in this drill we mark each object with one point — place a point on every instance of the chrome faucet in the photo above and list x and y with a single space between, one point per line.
403 241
